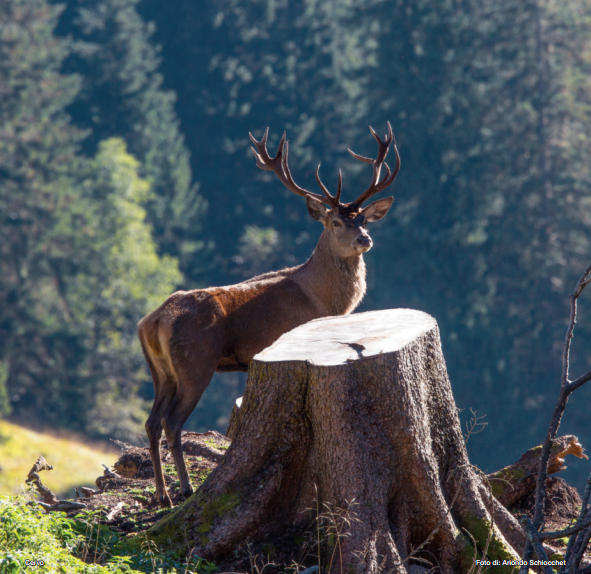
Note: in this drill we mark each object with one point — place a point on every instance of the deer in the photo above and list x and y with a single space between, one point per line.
196 333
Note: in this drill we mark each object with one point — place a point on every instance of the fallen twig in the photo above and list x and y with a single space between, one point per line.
63 505
50 501
47 496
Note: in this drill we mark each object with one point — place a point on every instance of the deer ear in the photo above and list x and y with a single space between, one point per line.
316 208
376 210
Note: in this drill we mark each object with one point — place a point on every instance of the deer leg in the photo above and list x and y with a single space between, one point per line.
184 402
154 431
172 428
164 389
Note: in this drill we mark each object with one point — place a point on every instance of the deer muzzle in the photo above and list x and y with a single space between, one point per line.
363 243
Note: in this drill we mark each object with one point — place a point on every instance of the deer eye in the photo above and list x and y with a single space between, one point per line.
336 223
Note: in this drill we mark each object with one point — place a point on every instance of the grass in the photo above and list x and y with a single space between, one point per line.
44 542
31 539
74 463
49 542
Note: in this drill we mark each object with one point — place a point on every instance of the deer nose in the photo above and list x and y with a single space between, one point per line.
364 241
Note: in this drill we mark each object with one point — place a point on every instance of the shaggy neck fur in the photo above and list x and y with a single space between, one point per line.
336 284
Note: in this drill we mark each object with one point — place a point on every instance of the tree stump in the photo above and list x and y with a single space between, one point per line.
353 413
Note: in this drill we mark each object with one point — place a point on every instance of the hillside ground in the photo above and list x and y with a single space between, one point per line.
74 462
123 504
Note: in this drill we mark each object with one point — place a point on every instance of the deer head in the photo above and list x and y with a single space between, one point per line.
344 223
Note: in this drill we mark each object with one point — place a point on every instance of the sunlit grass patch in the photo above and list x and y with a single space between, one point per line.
74 463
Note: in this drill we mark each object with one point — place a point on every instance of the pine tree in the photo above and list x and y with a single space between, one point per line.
124 96
78 265
37 151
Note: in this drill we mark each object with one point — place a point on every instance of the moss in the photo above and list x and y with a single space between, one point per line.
173 531
504 479
467 554
169 532
217 445
169 469
498 549
198 477
214 509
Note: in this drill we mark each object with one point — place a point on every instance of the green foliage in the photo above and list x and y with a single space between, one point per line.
78 263
124 96
132 279
37 152
51 542
256 245
4 400
104 273
29 535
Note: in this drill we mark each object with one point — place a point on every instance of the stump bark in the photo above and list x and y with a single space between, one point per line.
354 414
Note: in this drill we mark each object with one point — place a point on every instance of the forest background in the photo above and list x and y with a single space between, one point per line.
125 173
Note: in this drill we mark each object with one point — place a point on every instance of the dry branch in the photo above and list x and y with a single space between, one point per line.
575 548
49 500
63 506
47 496
517 480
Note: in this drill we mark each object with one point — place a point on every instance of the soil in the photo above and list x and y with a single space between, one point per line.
125 497
124 501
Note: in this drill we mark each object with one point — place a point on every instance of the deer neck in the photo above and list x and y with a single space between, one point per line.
335 284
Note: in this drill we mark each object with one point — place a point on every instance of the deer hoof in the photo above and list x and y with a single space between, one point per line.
163 500
187 492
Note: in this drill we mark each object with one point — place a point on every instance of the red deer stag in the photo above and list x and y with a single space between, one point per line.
195 333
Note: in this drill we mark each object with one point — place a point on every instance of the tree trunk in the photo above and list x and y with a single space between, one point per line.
351 417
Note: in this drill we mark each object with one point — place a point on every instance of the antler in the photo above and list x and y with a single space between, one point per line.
377 163
280 167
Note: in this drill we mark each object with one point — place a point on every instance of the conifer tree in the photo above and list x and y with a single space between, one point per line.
78 264
124 96
37 151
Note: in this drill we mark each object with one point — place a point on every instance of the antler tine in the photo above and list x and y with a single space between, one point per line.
383 147
360 157
391 176
288 180
279 165
337 196
259 148
332 199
